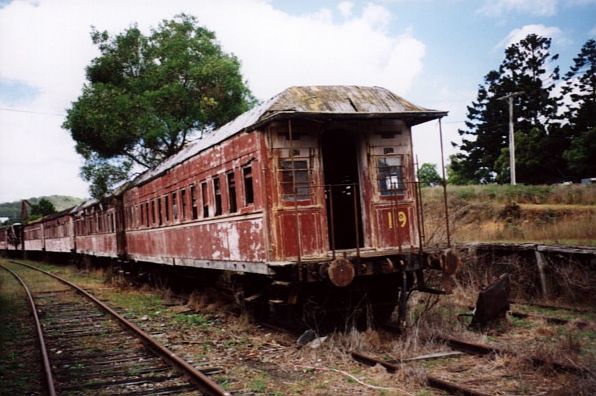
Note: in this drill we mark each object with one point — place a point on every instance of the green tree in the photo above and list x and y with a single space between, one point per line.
484 155
147 95
42 208
580 90
428 175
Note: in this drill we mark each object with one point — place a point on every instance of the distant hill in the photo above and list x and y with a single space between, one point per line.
12 210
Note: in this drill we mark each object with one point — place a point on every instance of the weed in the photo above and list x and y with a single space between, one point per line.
258 384
521 323
193 319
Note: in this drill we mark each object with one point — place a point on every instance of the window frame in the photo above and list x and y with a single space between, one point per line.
388 174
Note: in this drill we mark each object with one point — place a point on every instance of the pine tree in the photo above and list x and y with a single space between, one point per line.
580 90
484 155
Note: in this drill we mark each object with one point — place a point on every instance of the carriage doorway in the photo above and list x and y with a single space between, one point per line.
340 167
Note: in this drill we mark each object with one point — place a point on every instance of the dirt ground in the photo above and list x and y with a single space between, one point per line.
259 360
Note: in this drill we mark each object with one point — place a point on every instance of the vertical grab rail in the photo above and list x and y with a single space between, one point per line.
419 209
295 192
331 221
356 220
444 186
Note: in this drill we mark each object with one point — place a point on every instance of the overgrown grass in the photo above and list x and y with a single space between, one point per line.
195 319
533 194
544 214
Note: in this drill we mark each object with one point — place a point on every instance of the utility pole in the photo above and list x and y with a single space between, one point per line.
511 138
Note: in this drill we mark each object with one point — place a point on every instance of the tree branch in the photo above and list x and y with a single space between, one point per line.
136 159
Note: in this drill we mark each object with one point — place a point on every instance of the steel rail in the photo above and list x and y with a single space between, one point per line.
472 348
431 380
204 383
483 349
42 346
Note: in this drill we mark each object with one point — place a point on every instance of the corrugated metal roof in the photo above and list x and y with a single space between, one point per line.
344 99
329 100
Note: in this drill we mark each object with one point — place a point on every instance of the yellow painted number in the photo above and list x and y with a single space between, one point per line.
402 219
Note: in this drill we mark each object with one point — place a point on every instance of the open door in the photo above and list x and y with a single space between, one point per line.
340 167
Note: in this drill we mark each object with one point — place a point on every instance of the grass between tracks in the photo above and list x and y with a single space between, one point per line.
261 361
20 361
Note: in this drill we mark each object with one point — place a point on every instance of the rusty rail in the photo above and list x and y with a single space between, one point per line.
483 349
204 383
42 346
431 380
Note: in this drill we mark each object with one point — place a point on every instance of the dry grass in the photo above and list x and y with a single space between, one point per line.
531 194
209 300
546 214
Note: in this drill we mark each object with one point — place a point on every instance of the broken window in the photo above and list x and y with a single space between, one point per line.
205 199
295 179
232 192
248 187
159 211
167 208
217 194
390 175
174 206
183 204
193 202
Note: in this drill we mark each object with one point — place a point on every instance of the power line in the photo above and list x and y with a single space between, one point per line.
31 112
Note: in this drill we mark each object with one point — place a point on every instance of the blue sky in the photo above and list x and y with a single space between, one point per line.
432 52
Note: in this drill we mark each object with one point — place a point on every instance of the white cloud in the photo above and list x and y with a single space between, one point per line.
520 33
538 8
426 136
531 7
345 8
46 44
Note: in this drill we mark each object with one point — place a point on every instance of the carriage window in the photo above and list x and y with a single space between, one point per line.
147 214
193 202
248 187
232 192
174 207
217 193
153 212
183 204
166 207
205 199
294 179
390 175
159 211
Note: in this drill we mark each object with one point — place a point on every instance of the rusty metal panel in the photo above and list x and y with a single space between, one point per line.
191 238
3 238
393 226
103 245
58 233
306 236
33 235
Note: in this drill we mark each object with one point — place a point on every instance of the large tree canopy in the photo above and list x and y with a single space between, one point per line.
580 90
484 155
147 95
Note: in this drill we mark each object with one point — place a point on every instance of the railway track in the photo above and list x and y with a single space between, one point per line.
88 348
462 348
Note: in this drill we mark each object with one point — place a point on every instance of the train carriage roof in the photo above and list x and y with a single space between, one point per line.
329 101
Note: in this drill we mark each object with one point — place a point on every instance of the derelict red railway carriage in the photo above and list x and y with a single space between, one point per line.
310 196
